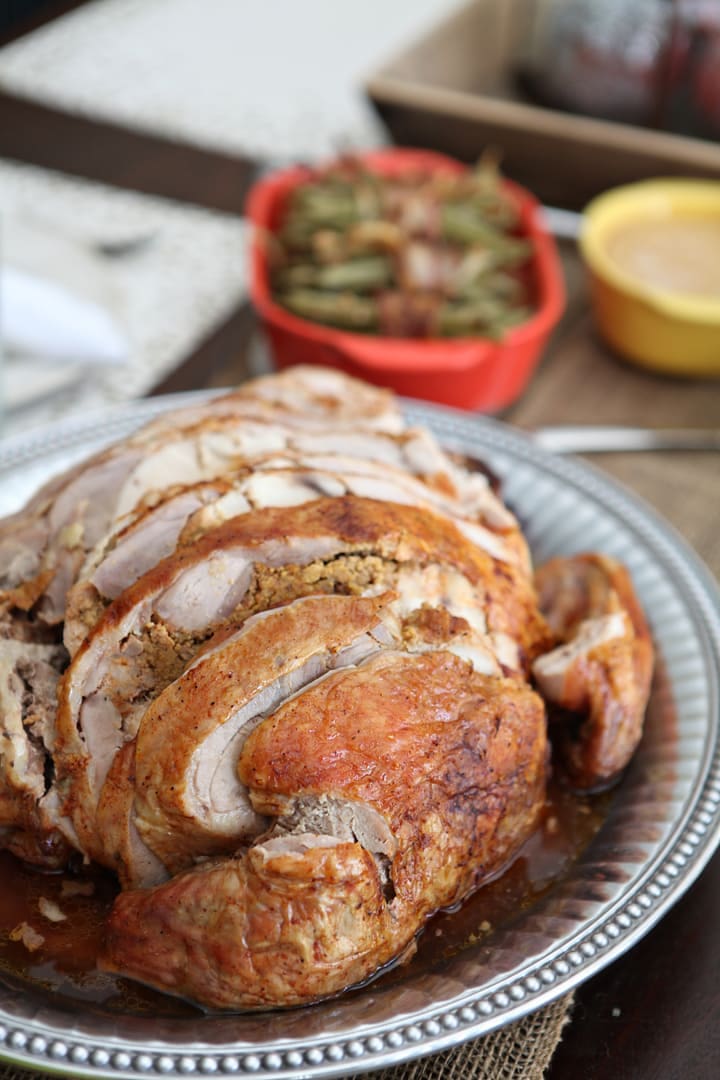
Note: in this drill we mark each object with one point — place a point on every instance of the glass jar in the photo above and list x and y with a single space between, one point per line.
692 97
606 59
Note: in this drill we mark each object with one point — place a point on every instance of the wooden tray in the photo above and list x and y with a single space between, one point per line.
455 90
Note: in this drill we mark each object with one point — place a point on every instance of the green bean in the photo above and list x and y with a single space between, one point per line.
336 208
497 285
345 310
461 223
328 211
297 234
347 262
486 317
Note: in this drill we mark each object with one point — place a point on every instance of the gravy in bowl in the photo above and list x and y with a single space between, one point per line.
678 254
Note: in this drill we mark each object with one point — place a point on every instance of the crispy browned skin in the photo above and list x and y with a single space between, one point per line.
386 532
454 762
606 683
425 742
255 932
180 720
403 533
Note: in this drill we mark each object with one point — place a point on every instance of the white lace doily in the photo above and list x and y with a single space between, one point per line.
278 79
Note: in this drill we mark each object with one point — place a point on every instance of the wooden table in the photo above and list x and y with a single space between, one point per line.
655 1013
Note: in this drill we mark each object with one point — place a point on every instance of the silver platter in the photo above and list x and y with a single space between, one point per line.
662 828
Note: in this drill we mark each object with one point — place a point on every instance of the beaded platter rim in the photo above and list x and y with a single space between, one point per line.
640 864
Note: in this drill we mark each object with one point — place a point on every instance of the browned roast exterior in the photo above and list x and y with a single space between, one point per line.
454 762
270 659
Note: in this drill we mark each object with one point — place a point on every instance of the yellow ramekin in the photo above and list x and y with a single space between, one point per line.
667 331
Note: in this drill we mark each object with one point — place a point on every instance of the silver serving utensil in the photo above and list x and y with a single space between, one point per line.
593 439
563 224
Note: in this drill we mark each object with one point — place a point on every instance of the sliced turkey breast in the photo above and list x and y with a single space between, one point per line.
326 394
191 803
124 556
188 513
29 676
145 638
54 536
22 543
119 844
302 396
24 535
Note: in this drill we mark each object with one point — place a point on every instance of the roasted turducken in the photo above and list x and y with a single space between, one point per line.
278 661
395 785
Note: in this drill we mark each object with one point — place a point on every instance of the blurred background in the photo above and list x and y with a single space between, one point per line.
195 102
571 98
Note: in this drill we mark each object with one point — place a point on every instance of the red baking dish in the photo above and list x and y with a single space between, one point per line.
468 373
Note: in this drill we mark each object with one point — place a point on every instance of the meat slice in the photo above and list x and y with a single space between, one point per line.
22 542
53 533
119 844
453 762
65 520
124 556
305 411
150 535
190 802
303 475
307 397
29 675
191 511
253 562
601 672
28 684
326 394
